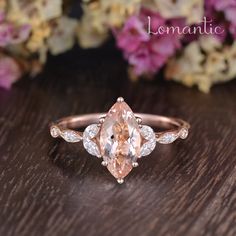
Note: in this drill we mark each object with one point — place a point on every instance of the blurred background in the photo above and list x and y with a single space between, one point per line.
33 31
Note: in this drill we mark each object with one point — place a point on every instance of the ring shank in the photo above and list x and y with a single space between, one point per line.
156 121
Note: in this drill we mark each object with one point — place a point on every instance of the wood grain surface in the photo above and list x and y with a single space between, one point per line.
53 188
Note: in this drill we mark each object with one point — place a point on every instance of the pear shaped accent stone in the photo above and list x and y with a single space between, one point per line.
120 140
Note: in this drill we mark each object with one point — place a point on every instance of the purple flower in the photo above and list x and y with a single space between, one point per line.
5 34
220 5
132 35
228 7
9 34
9 72
145 61
146 53
2 16
230 14
20 34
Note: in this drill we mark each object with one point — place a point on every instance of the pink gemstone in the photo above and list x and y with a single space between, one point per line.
120 140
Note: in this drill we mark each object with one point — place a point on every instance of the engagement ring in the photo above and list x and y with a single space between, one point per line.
120 137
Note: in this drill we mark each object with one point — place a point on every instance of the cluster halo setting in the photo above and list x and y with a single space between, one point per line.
119 137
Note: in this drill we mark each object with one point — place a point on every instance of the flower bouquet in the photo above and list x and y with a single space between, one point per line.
191 41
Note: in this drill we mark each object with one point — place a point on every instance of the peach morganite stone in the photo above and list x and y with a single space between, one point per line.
120 140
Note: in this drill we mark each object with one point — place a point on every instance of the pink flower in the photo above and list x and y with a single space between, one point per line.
145 62
20 34
151 56
132 35
9 72
146 53
220 5
2 16
156 19
230 14
10 34
228 7
5 34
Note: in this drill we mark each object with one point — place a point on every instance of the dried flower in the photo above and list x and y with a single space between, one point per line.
37 14
228 7
34 12
91 30
5 35
63 35
12 34
230 56
145 53
192 10
203 65
30 29
9 72
102 15
132 35
38 36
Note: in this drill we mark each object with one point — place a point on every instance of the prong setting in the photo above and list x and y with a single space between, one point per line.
139 120
104 163
120 181
101 120
120 99
135 164
54 131
183 134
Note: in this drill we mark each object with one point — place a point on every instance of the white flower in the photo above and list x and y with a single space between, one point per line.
215 65
63 35
92 31
192 10
230 54
50 9
102 15
208 43
203 64
33 12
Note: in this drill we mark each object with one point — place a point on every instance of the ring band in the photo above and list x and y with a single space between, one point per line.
120 137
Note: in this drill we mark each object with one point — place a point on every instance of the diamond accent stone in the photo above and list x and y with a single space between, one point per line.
55 132
120 140
150 137
167 138
71 136
183 134
89 144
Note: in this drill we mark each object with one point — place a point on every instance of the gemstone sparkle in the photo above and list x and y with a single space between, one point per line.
167 138
71 136
89 141
120 140
150 140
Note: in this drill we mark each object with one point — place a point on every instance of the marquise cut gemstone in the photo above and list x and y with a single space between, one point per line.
120 140
89 141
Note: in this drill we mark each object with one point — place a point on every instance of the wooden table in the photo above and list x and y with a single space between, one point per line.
52 188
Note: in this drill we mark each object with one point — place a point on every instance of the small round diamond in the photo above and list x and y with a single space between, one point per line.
54 131
150 144
90 133
135 164
183 134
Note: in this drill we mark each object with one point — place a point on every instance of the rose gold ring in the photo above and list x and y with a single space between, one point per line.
120 137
